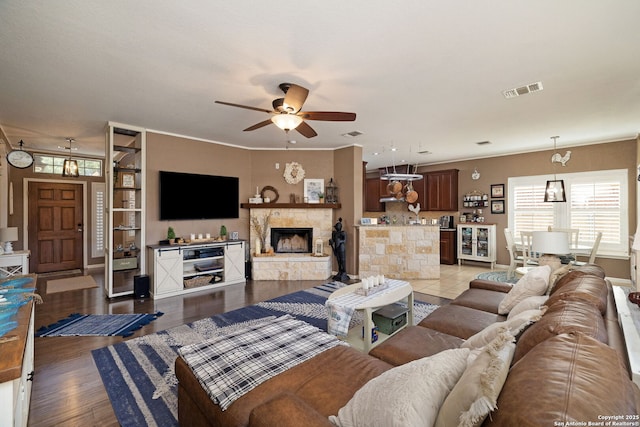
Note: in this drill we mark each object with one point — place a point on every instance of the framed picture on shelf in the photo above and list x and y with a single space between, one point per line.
497 191
312 190
497 206
127 179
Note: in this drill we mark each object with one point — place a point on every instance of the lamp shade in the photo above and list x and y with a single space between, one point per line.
286 121
550 242
70 168
554 191
9 234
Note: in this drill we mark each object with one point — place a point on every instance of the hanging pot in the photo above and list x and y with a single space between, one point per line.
394 187
410 194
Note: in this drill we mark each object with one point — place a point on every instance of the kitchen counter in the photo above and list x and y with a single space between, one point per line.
402 252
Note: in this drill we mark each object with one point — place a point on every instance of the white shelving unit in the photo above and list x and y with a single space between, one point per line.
125 175
181 269
477 242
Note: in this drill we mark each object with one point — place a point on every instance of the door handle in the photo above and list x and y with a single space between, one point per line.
80 228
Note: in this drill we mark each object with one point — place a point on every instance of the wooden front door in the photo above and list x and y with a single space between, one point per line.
55 226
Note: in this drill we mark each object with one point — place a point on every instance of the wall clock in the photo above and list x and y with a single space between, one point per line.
293 173
19 158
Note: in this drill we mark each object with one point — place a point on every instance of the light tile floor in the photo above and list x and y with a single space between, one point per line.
454 279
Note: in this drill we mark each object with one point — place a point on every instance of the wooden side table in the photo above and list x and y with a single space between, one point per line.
14 263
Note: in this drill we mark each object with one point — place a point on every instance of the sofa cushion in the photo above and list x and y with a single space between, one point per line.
407 395
475 394
533 283
570 377
515 326
581 286
414 342
480 299
459 321
529 303
561 318
286 406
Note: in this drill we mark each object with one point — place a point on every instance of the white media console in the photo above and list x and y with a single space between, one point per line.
180 269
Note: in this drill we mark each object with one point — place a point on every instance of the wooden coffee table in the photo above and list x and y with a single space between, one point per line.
401 291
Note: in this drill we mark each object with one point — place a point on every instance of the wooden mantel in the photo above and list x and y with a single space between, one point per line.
290 205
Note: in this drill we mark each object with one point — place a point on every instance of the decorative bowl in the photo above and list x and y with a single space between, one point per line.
634 297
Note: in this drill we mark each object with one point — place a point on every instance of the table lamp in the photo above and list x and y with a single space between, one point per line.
8 235
550 244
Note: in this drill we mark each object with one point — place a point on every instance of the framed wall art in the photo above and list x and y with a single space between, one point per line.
497 191
312 190
497 206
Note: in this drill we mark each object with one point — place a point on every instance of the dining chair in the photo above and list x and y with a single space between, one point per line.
529 257
594 251
515 259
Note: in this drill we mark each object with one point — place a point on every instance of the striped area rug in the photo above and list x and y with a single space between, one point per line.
97 325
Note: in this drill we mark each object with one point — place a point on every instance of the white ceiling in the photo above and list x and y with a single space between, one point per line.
420 74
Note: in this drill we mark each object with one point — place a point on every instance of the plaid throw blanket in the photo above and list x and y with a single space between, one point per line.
231 365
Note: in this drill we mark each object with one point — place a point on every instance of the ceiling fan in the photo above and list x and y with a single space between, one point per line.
286 112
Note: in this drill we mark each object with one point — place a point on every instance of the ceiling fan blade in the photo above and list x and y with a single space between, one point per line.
244 106
259 125
306 130
295 97
330 116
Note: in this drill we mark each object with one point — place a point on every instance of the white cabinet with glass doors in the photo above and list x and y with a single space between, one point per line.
477 242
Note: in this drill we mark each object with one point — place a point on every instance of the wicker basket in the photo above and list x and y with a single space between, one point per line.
196 281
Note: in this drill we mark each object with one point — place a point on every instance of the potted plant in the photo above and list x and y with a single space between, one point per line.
223 232
171 235
321 197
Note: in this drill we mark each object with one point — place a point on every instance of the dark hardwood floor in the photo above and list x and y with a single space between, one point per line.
67 389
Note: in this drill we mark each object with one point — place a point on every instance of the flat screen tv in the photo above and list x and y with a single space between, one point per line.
194 196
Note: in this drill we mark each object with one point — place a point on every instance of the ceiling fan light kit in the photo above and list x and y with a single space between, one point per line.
286 122
286 112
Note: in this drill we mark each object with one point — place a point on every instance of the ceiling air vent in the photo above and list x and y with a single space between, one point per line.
352 134
522 90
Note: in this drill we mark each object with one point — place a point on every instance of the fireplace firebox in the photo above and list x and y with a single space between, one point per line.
292 240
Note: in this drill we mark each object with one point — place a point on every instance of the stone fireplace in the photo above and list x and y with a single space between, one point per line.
292 240
295 264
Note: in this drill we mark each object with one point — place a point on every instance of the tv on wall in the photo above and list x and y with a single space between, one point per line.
194 196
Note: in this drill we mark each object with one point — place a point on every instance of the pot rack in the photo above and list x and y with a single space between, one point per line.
394 175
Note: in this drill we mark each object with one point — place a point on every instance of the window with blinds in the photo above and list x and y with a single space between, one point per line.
595 203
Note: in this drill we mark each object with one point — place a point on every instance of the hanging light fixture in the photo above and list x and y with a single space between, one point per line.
554 192
286 122
70 166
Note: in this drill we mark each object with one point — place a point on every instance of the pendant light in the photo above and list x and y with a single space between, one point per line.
70 166
554 192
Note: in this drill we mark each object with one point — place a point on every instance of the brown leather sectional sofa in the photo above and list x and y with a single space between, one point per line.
569 366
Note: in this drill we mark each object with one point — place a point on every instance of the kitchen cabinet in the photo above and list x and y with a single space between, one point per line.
448 247
372 195
441 190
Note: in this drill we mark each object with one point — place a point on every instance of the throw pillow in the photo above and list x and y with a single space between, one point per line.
533 283
476 393
407 395
556 275
530 303
515 325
